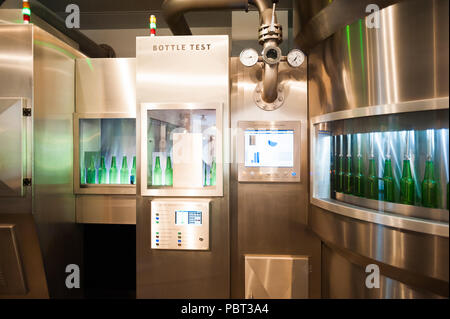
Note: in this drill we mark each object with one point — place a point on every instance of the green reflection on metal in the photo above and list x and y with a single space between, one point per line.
363 67
55 47
89 63
349 48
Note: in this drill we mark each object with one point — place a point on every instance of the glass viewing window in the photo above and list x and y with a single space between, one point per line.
107 151
181 149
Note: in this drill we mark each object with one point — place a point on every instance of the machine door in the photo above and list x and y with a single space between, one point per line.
13 153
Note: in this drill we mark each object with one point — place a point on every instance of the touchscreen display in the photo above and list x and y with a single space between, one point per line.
269 148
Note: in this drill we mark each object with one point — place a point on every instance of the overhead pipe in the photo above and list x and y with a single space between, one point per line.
269 31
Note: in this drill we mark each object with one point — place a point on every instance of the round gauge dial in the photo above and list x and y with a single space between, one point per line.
295 58
249 57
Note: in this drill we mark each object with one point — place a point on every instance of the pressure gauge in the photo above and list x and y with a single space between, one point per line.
249 57
295 58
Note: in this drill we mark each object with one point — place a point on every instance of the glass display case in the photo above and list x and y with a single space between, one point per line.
395 163
106 154
182 149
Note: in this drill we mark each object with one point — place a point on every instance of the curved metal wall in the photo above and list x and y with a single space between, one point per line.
406 59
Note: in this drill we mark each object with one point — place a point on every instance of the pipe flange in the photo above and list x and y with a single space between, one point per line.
257 98
269 32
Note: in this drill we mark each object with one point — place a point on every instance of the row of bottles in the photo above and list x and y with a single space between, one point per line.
158 174
352 180
113 176
168 173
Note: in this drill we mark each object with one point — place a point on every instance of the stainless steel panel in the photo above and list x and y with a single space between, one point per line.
16 60
184 76
407 210
270 218
53 199
106 86
13 154
104 209
168 232
276 277
358 66
28 253
12 279
407 251
269 174
346 279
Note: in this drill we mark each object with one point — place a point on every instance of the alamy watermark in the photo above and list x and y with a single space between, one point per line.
373 277
73 279
73 18
373 19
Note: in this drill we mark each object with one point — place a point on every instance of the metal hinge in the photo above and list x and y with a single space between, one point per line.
26 111
27 182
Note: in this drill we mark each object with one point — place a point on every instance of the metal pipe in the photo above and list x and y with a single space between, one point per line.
174 11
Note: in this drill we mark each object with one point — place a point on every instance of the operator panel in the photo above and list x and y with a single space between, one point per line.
180 224
269 151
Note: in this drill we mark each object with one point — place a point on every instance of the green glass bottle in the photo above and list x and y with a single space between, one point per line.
133 172
212 174
113 172
372 181
348 179
359 178
157 173
388 180
124 173
429 186
205 169
333 164
102 171
168 174
340 175
407 184
91 172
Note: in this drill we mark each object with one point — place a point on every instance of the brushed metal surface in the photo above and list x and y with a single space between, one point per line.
408 251
16 60
270 218
359 66
168 233
12 277
106 209
30 255
321 19
345 279
269 174
276 277
106 85
53 199
406 210
184 76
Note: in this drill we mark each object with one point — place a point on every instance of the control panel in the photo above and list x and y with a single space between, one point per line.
269 151
180 224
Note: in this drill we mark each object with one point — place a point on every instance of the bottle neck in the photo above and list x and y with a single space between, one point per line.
429 170
406 169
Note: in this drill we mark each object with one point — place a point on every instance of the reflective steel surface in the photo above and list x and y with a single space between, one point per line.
355 76
276 277
53 197
106 85
267 217
181 72
360 66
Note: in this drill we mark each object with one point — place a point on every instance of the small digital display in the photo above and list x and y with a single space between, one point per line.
188 217
269 148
